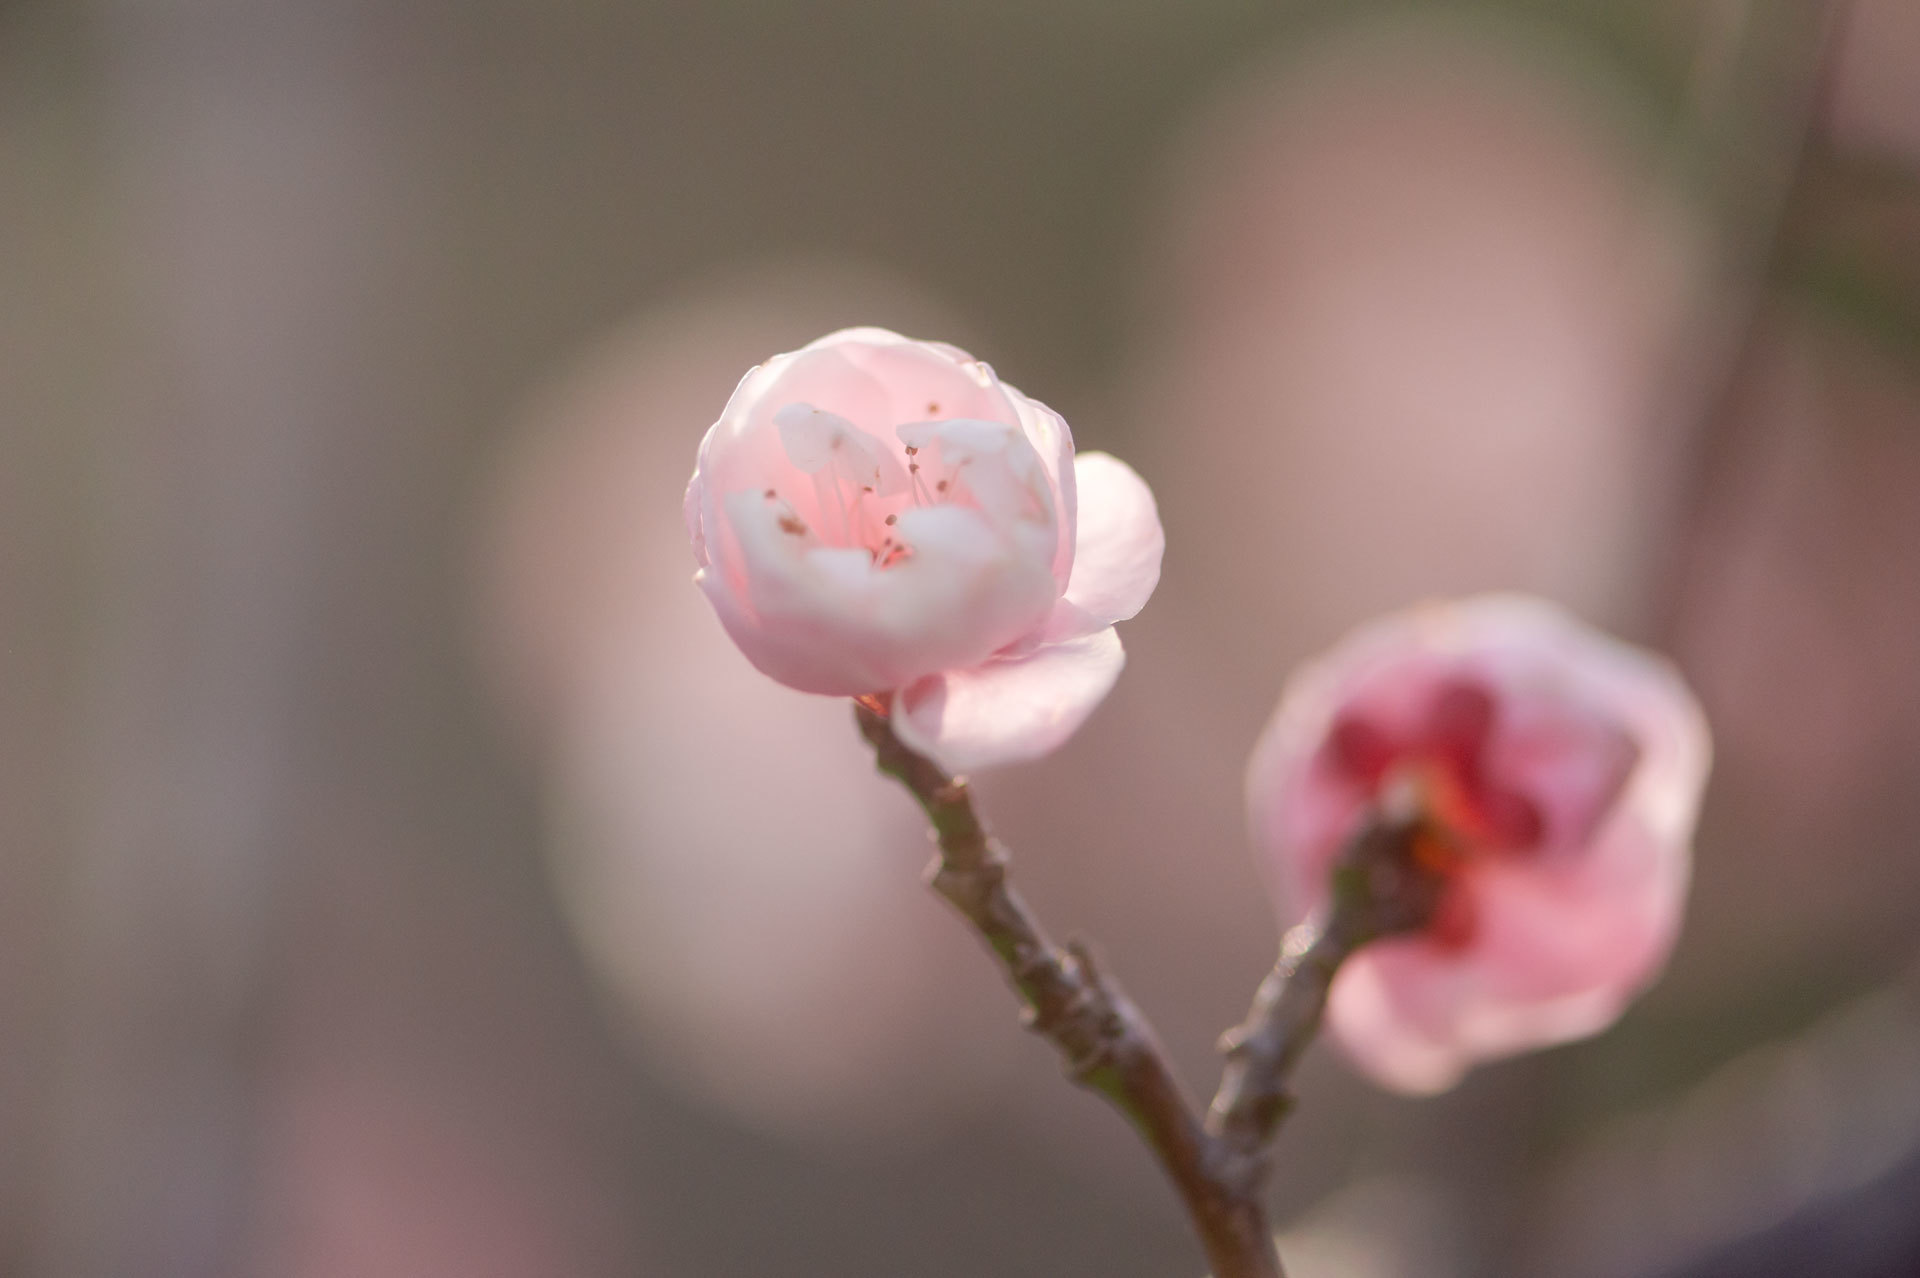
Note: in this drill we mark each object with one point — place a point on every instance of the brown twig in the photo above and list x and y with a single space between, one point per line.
1106 1043
1380 889
1219 1166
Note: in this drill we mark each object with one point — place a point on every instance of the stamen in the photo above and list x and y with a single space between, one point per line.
918 486
952 474
831 504
863 529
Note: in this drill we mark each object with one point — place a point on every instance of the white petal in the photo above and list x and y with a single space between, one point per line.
826 444
1051 438
1118 541
993 467
1009 710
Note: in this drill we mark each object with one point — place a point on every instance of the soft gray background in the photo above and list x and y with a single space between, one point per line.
291 293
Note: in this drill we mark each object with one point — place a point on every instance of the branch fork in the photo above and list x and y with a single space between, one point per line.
1219 1163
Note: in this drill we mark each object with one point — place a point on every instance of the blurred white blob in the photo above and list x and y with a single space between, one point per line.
1390 1227
738 874
1411 331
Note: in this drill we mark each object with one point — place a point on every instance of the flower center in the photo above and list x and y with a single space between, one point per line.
853 488
1555 774
1445 758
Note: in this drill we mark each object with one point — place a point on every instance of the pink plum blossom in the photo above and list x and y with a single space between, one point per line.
875 515
1565 769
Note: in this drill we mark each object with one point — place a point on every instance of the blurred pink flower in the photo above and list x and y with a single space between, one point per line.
1566 769
873 514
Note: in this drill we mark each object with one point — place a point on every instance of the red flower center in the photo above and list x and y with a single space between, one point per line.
1445 757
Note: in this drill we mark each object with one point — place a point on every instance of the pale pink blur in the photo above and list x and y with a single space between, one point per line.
1566 765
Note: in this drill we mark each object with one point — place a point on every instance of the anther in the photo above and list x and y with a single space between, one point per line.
940 487
771 494
891 519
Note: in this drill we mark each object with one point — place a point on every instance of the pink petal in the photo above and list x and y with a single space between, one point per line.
1393 1047
920 381
1557 957
1009 710
1066 621
1051 438
1118 540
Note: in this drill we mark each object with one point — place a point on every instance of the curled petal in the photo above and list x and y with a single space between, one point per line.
1009 710
1119 541
1048 433
921 381
818 441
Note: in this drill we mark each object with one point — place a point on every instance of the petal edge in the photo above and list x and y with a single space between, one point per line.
1118 540
1009 710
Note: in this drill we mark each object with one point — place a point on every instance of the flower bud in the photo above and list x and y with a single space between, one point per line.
874 515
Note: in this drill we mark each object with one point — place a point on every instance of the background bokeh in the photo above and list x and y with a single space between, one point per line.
401 875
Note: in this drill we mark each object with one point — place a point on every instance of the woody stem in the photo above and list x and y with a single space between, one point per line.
1107 1045
1380 889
